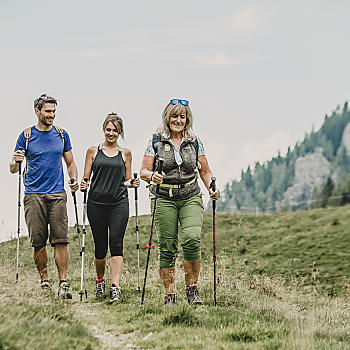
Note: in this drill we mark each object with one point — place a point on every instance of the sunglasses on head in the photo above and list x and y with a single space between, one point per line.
175 101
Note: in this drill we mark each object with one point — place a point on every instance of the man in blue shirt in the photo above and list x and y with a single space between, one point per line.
45 199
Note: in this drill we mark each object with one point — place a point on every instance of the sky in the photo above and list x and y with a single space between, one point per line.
258 75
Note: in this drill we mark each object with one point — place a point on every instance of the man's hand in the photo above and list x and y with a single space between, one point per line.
18 156
73 185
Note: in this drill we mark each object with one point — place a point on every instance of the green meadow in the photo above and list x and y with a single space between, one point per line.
282 283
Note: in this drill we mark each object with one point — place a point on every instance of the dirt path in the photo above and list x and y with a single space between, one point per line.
105 333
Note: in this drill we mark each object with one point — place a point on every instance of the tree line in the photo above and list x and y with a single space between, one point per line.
264 185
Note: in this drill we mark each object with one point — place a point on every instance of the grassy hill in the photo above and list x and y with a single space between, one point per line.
283 283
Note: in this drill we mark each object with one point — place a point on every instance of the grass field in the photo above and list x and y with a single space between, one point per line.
283 283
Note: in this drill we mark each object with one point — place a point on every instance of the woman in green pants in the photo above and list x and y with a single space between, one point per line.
180 198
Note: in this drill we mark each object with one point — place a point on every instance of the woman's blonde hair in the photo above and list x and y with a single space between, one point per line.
177 109
116 121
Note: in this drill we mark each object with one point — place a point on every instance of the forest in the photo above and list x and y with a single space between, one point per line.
312 174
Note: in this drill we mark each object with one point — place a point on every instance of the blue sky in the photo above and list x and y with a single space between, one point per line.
258 74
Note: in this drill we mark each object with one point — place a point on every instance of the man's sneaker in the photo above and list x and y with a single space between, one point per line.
64 290
114 294
193 296
45 285
100 289
170 299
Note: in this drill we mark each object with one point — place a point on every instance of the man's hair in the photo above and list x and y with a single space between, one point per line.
39 102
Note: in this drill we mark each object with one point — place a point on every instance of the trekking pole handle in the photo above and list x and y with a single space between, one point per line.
85 191
160 170
212 184
132 181
19 161
19 174
213 187
73 193
160 165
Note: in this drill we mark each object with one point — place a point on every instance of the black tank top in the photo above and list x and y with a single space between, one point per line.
107 184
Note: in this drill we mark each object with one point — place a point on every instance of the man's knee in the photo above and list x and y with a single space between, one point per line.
59 244
38 249
39 252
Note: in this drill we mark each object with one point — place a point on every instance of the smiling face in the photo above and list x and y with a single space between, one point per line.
111 132
46 114
177 122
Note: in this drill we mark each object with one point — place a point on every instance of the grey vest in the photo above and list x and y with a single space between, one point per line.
175 174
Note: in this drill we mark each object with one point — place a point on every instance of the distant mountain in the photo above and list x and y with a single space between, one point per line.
314 173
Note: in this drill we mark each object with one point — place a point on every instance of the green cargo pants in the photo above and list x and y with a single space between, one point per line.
189 213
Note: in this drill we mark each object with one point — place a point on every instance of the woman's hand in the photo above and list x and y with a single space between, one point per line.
84 185
74 186
214 195
134 183
157 178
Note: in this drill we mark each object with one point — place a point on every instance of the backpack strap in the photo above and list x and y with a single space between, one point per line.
155 140
60 131
196 147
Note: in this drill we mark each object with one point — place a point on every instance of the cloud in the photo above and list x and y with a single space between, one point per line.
217 60
99 53
228 161
244 21
221 60
263 150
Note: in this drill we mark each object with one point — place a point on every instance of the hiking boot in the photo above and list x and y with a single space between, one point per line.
45 285
170 299
64 290
114 294
193 296
101 289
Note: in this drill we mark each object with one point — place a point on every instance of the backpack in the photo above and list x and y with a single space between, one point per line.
156 139
28 131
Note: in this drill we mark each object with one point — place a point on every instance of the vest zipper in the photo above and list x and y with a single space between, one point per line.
178 188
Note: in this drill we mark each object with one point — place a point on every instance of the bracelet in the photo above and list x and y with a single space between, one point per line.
152 175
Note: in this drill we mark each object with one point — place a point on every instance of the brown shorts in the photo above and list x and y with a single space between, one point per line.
41 210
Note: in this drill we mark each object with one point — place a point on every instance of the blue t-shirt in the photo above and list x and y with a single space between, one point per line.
44 171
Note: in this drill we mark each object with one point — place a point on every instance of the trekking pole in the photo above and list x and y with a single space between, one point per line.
160 169
213 187
76 213
137 237
82 251
18 215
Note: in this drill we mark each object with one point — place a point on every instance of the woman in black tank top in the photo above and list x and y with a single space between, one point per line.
108 205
